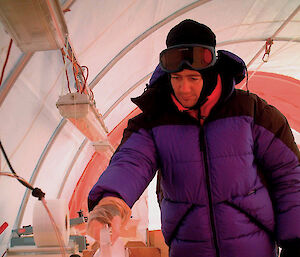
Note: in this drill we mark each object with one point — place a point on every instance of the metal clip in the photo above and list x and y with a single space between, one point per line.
266 55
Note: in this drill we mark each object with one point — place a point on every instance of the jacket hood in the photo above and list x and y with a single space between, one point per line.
231 68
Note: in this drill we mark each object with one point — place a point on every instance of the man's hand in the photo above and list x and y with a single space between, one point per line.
112 211
95 226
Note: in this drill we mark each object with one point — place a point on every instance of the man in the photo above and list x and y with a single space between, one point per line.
230 174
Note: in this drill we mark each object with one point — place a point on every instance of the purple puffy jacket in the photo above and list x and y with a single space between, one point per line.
231 188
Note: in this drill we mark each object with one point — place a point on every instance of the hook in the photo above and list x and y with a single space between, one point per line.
269 43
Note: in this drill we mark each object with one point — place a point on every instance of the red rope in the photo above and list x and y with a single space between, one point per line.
5 62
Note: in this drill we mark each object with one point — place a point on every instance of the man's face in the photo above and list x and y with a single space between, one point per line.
187 86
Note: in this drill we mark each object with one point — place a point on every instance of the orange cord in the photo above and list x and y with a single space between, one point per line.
63 54
81 84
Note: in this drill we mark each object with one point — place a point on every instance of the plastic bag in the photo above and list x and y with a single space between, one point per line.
107 249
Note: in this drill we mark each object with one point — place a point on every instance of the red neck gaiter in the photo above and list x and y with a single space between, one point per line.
205 109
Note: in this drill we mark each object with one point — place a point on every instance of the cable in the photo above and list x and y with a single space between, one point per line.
84 78
4 253
5 62
87 71
36 192
75 69
8 174
75 72
22 181
63 57
74 66
78 72
56 229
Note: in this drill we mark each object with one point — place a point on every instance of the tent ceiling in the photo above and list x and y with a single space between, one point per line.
119 41
245 34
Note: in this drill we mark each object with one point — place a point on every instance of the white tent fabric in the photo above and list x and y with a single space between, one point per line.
119 41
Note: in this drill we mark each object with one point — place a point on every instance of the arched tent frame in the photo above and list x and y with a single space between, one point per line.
120 41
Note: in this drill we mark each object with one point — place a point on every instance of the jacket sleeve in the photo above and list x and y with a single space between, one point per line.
131 168
278 155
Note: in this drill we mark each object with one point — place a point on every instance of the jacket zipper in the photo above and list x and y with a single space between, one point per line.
208 187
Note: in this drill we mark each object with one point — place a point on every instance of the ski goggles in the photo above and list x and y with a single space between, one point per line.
196 57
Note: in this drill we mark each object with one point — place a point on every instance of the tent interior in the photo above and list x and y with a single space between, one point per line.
107 51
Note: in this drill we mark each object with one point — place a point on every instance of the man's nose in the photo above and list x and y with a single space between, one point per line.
185 86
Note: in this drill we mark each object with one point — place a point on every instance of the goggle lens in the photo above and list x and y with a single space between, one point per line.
197 57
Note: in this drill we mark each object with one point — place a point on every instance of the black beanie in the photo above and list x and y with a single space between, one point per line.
191 32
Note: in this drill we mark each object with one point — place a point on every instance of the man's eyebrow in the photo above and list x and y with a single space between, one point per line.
189 75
